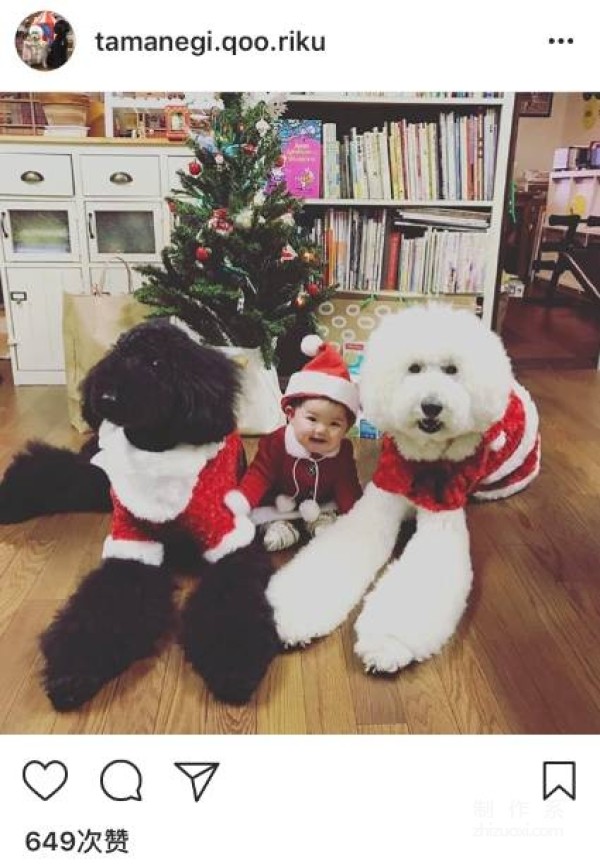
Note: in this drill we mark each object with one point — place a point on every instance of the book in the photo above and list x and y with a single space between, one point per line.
448 217
301 148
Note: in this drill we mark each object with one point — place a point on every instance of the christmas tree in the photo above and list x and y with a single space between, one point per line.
240 270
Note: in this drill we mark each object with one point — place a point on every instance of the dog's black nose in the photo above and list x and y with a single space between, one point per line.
431 410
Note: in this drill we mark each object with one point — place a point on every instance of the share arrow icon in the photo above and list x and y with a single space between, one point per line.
199 775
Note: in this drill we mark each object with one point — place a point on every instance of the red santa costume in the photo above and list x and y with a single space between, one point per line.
183 487
284 472
506 460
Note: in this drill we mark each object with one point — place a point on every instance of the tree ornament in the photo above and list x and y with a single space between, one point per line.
287 219
313 289
308 256
279 160
249 148
203 254
259 198
288 254
195 167
219 158
262 127
300 300
229 150
220 222
243 219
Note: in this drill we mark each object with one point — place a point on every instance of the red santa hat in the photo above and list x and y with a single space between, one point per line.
325 375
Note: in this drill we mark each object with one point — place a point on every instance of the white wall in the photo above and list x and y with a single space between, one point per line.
538 137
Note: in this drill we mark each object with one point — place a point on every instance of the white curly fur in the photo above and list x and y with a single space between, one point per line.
433 354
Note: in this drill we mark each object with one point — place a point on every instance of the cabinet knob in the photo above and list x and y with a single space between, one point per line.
32 177
120 178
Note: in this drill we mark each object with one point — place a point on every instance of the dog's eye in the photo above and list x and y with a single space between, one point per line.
450 369
414 368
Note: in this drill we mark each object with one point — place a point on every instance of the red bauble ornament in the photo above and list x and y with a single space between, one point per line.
203 254
249 149
313 289
195 168
279 160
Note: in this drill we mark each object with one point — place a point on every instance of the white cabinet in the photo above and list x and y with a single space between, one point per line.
39 231
130 229
36 174
121 175
35 302
71 215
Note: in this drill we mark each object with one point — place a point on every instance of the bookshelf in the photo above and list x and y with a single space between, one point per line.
432 126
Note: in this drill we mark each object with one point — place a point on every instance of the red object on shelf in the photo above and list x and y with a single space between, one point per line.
177 122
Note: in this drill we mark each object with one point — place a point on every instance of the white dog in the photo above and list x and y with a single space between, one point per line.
439 384
35 47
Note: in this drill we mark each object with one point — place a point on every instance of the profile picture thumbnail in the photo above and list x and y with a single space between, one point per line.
44 40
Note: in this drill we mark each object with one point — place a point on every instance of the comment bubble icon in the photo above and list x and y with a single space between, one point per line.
121 781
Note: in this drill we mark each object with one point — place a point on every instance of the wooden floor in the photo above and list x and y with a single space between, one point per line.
526 659
561 337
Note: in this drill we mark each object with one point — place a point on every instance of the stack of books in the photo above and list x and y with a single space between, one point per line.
412 252
451 158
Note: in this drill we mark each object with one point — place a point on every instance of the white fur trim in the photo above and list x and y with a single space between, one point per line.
315 592
509 489
499 442
285 503
152 485
267 513
416 605
307 382
240 536
237 503
310 510
527 442
310 345
148 552
295 449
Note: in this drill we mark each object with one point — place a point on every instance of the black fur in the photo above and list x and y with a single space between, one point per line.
47 480
163 389
116 617
59 47
229 635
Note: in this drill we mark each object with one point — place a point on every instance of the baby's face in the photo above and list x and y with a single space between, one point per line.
319 425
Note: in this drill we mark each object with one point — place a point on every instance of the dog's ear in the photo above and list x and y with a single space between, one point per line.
209 384
90 416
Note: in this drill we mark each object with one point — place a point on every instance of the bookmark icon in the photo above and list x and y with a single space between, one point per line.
199 775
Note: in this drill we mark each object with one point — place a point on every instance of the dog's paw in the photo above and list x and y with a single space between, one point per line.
70 691
383 653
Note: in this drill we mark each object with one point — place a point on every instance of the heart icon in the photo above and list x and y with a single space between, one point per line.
45 780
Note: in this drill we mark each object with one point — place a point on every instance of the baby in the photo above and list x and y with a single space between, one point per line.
305 468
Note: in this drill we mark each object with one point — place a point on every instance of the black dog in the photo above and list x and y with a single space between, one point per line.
59 47
157 396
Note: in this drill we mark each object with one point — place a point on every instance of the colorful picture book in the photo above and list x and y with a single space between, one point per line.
301 148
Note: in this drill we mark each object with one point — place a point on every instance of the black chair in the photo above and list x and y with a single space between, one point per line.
572 256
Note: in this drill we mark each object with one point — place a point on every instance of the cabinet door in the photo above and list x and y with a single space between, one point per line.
133 230
38 231
35 297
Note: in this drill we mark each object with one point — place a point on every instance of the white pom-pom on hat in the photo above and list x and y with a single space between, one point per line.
285 503
311 344
309 510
